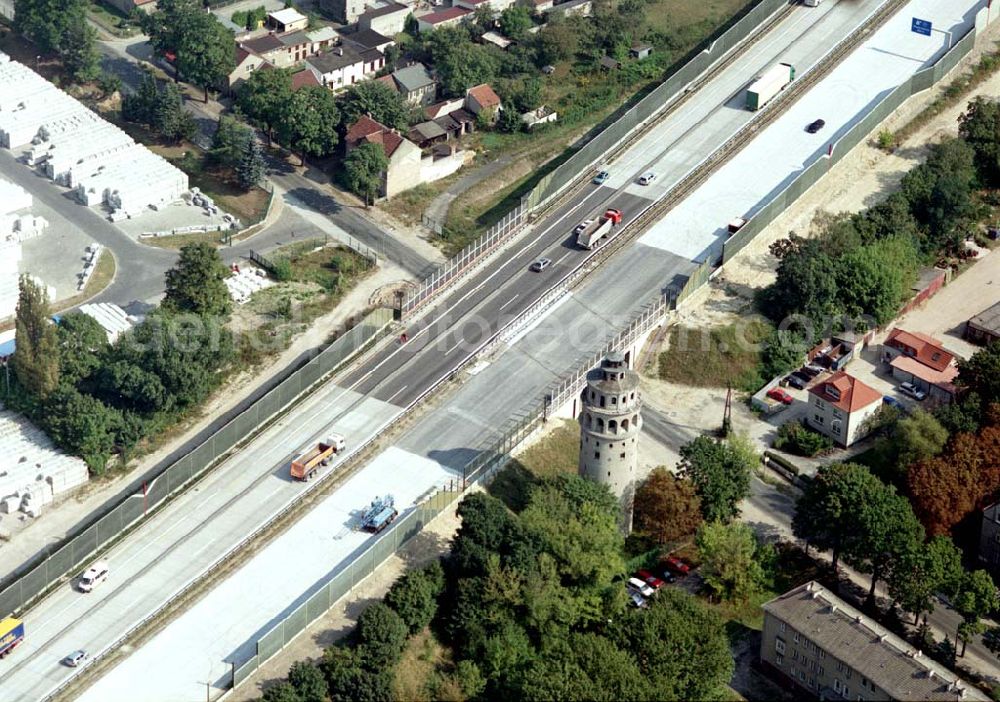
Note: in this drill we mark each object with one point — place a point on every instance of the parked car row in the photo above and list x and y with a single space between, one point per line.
643 584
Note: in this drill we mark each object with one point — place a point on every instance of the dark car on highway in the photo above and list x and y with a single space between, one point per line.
815 126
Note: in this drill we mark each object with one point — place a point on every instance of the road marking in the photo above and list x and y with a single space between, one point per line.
509 301
454 346
396 393
559 260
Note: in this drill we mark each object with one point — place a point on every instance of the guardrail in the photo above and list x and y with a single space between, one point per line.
102 530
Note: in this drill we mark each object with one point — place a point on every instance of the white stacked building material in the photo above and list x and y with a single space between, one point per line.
245 283
77 148
90 264
33 470
13 198
10 257
112 318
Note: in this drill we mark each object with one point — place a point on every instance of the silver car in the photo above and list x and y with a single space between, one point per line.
647 178
74 659
911 390
541 264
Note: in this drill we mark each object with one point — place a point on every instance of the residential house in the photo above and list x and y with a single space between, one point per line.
388 18
345 65
304 78
403 172
820 647
922 360
369 39
839 406
246 63
427 134
415 84
482 100
443 18
497 6
407 166
984 328
287 50
287 20
451 117
345 11
445 107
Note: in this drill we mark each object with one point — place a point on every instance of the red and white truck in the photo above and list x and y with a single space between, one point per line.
590 232
309 461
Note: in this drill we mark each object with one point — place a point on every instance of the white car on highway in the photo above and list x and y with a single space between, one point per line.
93 576
647 178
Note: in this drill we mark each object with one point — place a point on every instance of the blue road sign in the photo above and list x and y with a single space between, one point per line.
921 27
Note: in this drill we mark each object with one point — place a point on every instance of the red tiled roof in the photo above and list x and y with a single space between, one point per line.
388 80
484 95
364 127
852 393
444 15
924 348
367 129
930 375
303 78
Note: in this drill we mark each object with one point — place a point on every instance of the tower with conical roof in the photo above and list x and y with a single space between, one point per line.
610 422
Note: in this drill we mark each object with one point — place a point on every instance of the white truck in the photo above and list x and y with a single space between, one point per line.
590 231
768 84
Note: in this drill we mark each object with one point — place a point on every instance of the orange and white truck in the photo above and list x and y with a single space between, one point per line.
308 463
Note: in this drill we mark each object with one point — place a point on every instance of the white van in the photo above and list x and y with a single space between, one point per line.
93 576
640 587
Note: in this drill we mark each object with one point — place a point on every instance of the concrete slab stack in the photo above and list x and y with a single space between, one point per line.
10 257
112 318
33 470
76 148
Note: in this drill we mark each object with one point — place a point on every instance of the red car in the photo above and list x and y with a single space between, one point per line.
780 395
650 579
678 566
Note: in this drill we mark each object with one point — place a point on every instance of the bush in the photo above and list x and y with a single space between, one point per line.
282 270
798 438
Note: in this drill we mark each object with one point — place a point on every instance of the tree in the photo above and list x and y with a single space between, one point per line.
81 425
381 637
731 560
363 170
36 353
783 351
914 438
82 342
414 598
721 476
195 283
666 507
378 100
976 597
944 490
981 373
922 572
962 415
282 692
979 126
79 51
250 171
804 286
558 40
824 514
168 116
308 681
309 124
460 63
515 22
229 143
508 121
206 54
939 192
265 98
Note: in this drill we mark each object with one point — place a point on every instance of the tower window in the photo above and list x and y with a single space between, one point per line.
597 454
623 455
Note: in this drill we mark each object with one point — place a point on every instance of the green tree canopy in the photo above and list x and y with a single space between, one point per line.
720 471
732 560
308 125
381 636
82 343
414 597
979 126
981 373
922 571
363 170
206 54
377 99
515 21
308 681
195 283
265 98
250 170
36 351
82 425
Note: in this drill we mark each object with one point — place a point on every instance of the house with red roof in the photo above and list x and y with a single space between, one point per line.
839 407
921 359
246 63
443 18
403 171
482 99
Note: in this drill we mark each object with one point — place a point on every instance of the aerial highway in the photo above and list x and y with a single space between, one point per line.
199 647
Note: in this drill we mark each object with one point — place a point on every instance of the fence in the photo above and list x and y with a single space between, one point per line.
101 530
918 82
606 141
464 261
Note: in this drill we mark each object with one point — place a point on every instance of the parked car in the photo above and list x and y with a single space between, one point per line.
811 371
894 403
911 390
74 659
601 177
653 581
647 178
815 126
780 395
93 576
677 566
637 599
636 585
668 577
796 382
541 264
815 368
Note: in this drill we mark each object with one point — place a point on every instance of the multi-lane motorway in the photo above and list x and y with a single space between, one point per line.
155 562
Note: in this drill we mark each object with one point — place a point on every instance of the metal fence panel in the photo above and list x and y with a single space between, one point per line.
241 673
295 622
269 644
131 510
318 603
10 599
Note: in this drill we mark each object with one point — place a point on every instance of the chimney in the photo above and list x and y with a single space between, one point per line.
339 50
